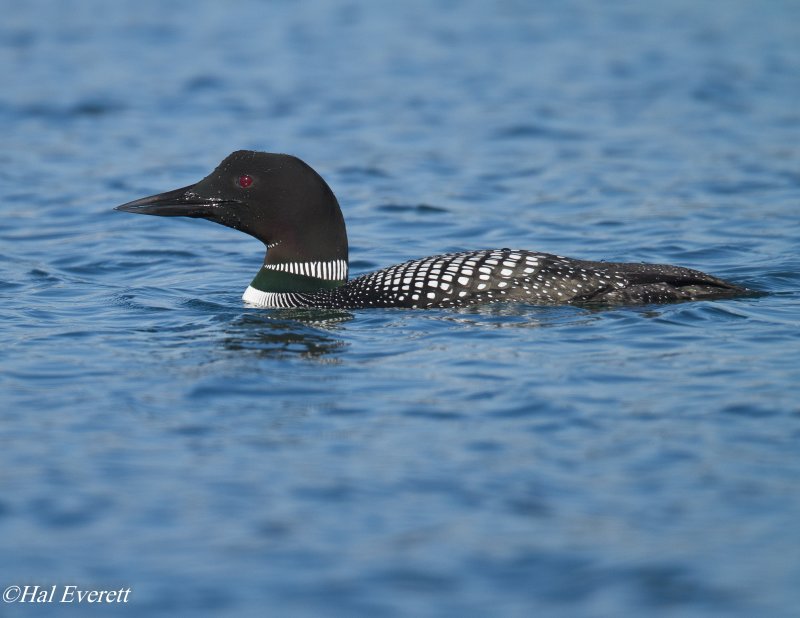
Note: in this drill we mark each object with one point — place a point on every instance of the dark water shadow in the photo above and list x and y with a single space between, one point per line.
282 333
524 315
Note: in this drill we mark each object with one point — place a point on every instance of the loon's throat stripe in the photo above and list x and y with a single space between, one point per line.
334 270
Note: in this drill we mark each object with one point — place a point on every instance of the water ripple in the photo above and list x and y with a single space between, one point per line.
505 460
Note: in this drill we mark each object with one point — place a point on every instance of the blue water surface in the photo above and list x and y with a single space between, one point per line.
509 460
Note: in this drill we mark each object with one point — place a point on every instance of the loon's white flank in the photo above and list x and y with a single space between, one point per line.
253 296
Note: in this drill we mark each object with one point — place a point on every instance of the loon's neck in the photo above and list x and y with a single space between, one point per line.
300 276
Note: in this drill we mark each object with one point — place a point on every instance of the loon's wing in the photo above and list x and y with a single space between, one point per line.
656 283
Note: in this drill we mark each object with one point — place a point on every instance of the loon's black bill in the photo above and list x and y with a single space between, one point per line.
178 203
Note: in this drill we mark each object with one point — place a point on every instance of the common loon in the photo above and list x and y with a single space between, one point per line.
283 202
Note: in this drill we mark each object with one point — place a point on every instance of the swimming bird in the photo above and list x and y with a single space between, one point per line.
283 202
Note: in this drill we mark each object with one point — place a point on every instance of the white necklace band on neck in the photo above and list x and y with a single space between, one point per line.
335 270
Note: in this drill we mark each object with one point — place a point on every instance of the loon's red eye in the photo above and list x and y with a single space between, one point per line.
245 181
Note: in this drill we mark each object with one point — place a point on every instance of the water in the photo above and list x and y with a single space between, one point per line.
497 461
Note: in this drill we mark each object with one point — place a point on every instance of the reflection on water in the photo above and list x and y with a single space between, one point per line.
519 315
306 333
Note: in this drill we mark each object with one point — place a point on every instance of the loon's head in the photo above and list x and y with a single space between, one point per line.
276 198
